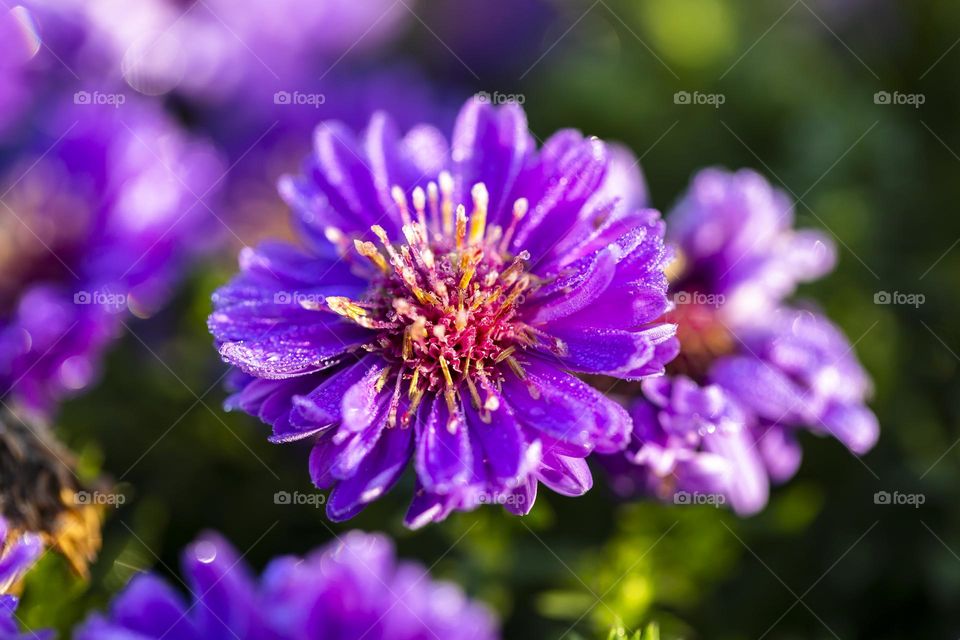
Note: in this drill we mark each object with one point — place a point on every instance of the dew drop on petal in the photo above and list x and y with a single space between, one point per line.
205 551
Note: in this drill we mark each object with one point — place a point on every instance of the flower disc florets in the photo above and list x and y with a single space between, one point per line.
445 302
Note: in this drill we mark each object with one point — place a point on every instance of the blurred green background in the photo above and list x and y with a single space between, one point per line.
798 81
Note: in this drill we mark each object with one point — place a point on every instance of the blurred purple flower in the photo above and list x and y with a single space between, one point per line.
352 588
736 239
9 629
227 55
449 343
17 554
765 368
98 217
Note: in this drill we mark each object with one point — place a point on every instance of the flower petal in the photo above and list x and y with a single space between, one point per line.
489 145
567 409
225 587
852 424
567 476
444 456
378 472
501 442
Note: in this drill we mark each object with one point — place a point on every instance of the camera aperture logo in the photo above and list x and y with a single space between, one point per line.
699 98
698 498
115 100
299 98
296 498
896 498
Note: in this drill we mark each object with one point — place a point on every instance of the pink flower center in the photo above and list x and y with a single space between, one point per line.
444 303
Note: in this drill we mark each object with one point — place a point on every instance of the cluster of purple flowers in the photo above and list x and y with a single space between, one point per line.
447 292
94 218
353 588
107 195
485 311
753 370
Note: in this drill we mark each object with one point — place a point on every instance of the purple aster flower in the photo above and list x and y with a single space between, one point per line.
352 588
746 360
443 296
96 224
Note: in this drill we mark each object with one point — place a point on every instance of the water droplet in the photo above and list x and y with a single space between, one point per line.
205 551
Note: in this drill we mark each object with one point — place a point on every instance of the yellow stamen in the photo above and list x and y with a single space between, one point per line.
446 371
468 267
369 250
394 402
414 383
478 219
450 395
520 207
433 199
400 198
474 395
419 205
515 268
516 368
446 202
347 308
461 225
506 353
382 380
